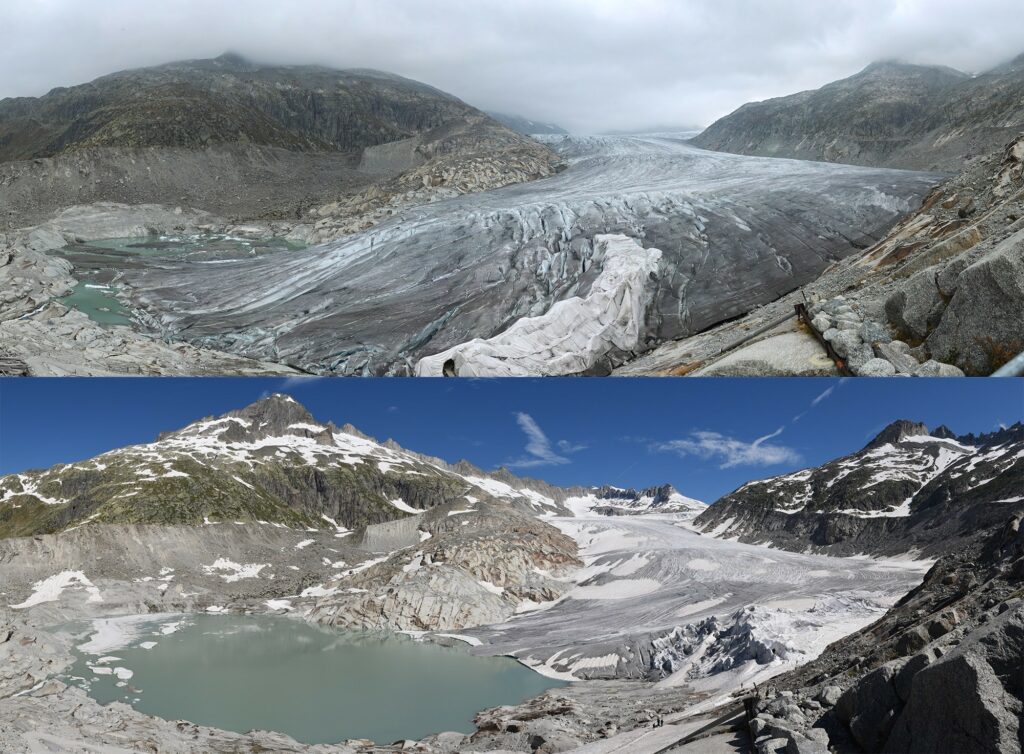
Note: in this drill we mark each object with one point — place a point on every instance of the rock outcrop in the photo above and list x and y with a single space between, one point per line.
471 571
939 296
941 671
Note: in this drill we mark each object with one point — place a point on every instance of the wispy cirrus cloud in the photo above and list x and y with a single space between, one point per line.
539 450
730 451
290 383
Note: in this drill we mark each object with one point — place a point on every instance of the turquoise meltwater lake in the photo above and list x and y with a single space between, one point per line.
243 673
97 264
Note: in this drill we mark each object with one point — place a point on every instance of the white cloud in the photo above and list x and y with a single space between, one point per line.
539 450
772 436
570 447
291 383
823 396
731 452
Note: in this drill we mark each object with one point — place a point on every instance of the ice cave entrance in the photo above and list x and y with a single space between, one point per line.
317 685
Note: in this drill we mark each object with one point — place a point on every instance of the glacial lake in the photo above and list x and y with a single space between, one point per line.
244 673
97 264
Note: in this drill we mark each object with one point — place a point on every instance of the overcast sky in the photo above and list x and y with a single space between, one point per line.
589 65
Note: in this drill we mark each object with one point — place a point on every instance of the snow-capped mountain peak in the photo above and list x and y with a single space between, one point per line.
908 489
617 501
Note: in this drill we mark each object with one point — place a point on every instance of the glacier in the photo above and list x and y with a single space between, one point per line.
732 231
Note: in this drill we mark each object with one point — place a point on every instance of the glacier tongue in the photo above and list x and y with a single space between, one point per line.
659 601
733 231
576 334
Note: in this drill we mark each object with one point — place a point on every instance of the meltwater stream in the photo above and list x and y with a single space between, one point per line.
245 673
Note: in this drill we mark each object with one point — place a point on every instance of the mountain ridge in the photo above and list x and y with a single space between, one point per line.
250 140
889 114
905 491
271 462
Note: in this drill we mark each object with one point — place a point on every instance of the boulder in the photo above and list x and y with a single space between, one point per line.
808 743
877 368
772 746
822 322
970 699
916 308
859 356
897 353
946 249
844 341
905 677
870 707
829 695
934 368
873 332
981 327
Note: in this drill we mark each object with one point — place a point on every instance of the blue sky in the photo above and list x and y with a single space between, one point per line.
706 437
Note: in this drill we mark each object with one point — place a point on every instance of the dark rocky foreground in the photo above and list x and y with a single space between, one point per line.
943 670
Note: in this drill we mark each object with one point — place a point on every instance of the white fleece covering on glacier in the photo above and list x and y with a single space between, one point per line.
574 334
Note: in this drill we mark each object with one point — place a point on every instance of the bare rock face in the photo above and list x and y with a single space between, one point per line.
940 671
461 576
970 699
981 324
959 267
892 114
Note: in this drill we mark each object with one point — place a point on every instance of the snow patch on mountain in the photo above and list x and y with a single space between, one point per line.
51 589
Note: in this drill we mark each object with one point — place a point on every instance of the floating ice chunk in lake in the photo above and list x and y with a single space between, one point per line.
470 640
